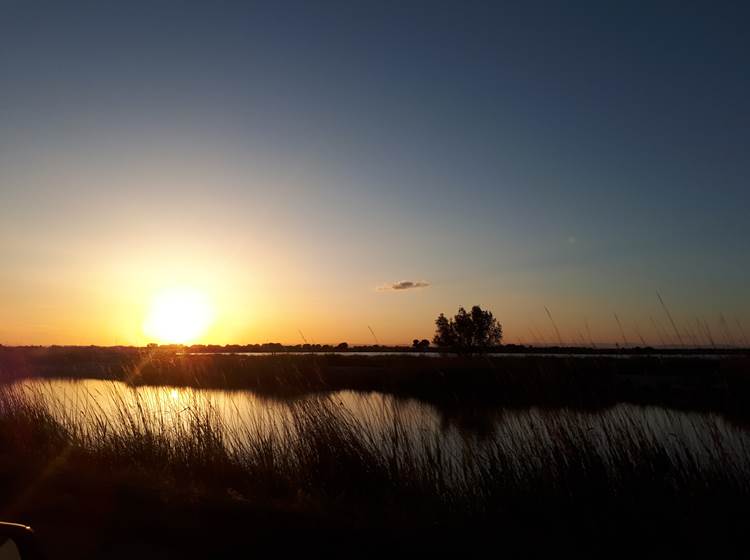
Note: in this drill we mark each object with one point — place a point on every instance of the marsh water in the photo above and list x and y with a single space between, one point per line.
699 439
620 353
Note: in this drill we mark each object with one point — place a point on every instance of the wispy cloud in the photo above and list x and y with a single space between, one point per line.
404 285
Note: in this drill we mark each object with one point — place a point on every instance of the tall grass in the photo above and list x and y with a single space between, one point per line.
389 463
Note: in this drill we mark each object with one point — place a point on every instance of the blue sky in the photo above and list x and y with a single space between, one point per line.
578 155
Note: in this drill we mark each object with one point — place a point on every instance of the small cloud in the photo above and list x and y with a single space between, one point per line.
404 285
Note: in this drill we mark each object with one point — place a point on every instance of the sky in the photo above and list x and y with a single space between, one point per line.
297 163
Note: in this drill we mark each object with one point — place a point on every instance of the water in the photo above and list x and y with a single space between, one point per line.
241 415
535 438
618 354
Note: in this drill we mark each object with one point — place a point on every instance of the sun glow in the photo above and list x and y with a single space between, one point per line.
179 316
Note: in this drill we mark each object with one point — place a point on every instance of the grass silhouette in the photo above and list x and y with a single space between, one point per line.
320 466
548 448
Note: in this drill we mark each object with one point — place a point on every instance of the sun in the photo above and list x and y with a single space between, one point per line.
179 315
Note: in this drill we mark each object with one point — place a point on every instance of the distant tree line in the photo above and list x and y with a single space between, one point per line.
466 332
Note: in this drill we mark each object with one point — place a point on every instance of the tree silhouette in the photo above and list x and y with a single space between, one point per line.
421 345
468 331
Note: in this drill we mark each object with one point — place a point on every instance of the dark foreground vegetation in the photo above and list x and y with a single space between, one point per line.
125 486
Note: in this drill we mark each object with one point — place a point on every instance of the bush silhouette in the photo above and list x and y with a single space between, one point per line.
468 331
420 345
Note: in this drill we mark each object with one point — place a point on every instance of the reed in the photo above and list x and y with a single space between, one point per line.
387 468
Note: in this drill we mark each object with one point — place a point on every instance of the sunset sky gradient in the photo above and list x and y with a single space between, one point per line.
295 163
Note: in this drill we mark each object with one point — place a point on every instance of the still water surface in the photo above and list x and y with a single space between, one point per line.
696 438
